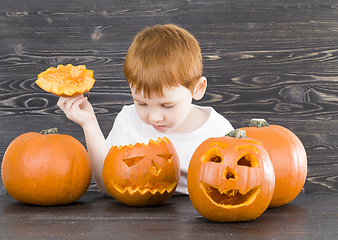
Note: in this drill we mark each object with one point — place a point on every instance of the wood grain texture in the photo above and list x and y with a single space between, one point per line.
270 59
97 217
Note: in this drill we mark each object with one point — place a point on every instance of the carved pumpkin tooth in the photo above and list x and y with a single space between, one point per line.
147 186
119 187
159 187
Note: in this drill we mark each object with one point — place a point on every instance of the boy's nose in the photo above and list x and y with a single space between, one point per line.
155 117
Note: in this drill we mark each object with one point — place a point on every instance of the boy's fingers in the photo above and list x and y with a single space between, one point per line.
61 102
79 101
67 103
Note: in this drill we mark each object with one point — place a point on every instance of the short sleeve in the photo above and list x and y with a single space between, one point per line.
119 133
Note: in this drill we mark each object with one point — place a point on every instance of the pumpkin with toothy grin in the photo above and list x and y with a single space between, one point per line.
230 179
229 197
140 174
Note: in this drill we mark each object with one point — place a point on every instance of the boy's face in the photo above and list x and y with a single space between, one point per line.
167 113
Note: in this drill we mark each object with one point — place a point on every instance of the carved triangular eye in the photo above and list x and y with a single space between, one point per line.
216 159
248 160
167 157
212 155
132 161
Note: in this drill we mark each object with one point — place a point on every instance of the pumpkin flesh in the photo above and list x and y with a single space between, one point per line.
66 80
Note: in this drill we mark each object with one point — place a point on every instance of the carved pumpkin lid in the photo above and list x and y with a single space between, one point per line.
66 80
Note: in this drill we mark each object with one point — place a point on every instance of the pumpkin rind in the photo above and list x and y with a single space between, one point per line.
52 169
230 179
288 157
140 174
66 80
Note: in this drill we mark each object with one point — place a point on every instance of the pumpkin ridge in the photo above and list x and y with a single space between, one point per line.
297 179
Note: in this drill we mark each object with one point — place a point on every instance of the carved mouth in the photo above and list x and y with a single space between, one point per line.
143 189
229 197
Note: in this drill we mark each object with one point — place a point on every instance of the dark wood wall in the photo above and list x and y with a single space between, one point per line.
276 60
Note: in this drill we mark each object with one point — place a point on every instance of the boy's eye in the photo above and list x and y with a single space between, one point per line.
168 106
141 104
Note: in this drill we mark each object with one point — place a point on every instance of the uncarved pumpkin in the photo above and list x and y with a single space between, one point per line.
140 174
230 179
46 168
66 80
288 157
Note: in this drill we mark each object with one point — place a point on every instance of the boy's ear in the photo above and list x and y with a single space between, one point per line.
200 88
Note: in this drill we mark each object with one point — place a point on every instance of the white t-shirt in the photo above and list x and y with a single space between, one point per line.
128 129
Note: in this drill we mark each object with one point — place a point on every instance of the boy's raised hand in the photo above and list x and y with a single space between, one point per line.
77 109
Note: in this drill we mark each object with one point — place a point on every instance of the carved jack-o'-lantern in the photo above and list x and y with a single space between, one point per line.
230 179
142 175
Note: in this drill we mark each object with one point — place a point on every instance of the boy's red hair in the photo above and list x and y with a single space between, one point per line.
163 56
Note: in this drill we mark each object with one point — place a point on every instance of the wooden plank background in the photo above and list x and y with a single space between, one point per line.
270 59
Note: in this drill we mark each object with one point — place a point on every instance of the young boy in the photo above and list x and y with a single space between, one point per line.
163 68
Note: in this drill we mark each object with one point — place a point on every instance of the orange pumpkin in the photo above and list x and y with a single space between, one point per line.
66 80
288 157
140 174
46 168
230 179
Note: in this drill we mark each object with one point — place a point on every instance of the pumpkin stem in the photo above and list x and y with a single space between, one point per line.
258 122
237 133
50 131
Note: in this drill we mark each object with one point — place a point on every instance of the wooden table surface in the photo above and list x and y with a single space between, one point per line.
97 217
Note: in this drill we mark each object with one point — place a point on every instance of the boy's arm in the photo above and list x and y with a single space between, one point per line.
97 150
79 110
